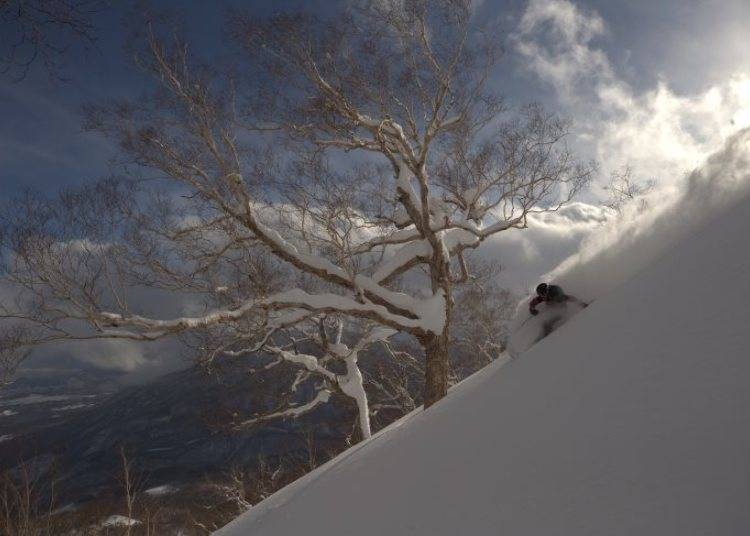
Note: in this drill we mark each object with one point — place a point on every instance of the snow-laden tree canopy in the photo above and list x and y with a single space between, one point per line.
343 170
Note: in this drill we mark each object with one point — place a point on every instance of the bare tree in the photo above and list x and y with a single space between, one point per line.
129 488
27 502
43 30
407 81
322 370
623 189
12 352
479 334
259 237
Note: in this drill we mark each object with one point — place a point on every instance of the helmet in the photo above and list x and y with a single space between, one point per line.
541 289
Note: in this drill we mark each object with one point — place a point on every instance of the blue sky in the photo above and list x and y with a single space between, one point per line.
654 85
688 45
41 142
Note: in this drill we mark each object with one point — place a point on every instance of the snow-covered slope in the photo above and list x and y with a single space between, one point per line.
631 419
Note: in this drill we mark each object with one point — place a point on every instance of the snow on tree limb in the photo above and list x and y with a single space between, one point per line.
351 383
291 299
259 228
321 397
310 362
415 251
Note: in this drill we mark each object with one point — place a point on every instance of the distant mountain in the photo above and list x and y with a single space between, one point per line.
176 430
42 398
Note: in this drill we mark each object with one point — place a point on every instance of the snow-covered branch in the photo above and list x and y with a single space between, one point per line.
259 228
321 397
350 383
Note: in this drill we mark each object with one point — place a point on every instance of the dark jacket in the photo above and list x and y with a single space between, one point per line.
554 294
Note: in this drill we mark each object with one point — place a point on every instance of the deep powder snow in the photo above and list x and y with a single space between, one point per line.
630 419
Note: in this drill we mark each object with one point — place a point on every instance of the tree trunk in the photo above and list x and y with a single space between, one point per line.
364 417
436 346
436 367
352 384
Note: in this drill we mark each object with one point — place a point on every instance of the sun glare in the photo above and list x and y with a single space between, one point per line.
741 88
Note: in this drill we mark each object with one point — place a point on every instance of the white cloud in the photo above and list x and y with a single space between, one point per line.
125 356
617 251
659 133
525 255
555 38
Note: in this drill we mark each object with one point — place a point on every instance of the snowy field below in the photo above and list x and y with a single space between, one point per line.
630 419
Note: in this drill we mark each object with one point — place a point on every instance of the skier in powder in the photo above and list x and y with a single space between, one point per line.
554 299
